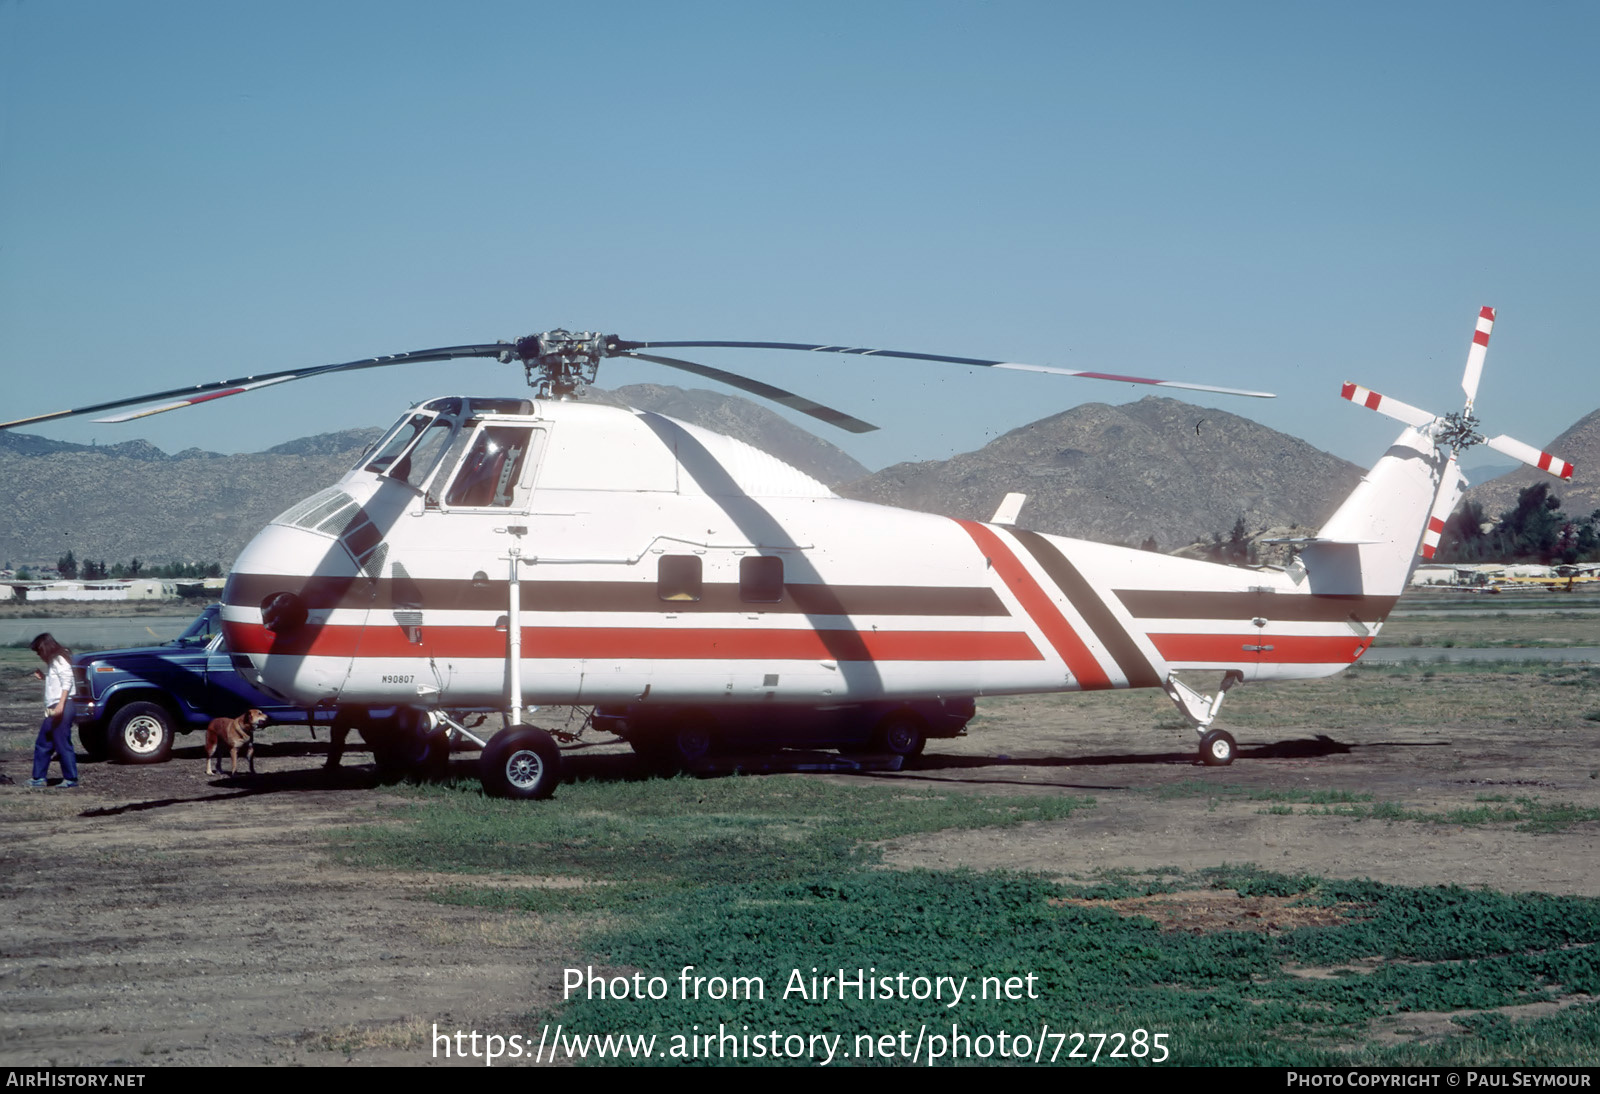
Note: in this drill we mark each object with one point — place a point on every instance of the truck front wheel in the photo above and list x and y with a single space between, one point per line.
141 733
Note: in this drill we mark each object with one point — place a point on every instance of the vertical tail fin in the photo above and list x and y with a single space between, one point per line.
1370 545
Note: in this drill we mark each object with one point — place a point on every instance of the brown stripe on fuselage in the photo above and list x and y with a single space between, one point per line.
454 594
1288 607
1106 626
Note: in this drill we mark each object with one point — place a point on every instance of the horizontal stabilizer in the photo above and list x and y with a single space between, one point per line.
1010 509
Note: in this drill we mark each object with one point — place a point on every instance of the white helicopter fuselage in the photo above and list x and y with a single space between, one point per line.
657 562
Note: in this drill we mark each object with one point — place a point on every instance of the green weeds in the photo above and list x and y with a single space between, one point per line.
1528 814
777 880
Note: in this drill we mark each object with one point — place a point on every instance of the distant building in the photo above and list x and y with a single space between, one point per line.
135 588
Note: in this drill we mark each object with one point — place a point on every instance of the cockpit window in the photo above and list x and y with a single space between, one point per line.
492 468
417 464
412 449
397 441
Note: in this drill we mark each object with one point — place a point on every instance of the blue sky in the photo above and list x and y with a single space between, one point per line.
1274 195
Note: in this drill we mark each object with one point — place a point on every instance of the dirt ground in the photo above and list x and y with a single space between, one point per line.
158 916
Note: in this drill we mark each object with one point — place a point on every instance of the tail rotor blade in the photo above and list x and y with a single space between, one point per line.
1531 456
1475 355
1451 486
766 391
1383 404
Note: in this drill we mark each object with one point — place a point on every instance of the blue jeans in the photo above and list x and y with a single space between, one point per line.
55 740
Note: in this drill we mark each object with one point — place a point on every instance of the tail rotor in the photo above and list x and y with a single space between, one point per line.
1460 430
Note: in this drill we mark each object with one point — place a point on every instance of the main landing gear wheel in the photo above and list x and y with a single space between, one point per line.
521 762
1217 748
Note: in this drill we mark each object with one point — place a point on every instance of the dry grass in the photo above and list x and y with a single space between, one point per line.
1205 911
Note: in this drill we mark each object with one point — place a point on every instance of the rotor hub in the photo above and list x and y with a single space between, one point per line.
561 363
1458 430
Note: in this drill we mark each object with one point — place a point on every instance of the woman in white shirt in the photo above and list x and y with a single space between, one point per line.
55 732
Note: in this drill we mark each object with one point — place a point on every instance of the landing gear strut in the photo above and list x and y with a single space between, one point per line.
1216 745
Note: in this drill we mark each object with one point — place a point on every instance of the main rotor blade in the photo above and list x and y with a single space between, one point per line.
1475 355
180 404
766 391
1383 404
980 362
1531 456
199 393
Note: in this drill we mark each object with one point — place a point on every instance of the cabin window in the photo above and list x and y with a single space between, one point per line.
492 469
678 578
761 579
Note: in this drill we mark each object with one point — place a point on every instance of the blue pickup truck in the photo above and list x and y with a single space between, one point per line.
130 703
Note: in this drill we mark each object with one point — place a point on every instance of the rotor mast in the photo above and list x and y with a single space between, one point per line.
561 364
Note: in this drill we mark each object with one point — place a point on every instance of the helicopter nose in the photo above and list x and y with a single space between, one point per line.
292 602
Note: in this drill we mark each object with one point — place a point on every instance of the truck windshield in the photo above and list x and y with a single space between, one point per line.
201 631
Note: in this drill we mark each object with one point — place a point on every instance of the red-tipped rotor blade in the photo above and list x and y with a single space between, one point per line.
1444 503
1531 456
1475 355
199 393
206 398
1383 404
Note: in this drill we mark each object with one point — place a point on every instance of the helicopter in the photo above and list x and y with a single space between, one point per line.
492 553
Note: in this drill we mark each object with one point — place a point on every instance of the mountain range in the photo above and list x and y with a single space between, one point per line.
1156 469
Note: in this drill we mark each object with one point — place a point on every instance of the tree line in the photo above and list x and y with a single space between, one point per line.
69 567
1536 529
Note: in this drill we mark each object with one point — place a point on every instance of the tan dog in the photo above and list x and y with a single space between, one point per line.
234 732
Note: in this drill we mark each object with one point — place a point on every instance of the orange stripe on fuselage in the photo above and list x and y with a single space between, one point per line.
1229 649
1040 607
639 643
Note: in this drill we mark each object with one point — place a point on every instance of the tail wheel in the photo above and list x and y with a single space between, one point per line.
521 762
1217 748
903 733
